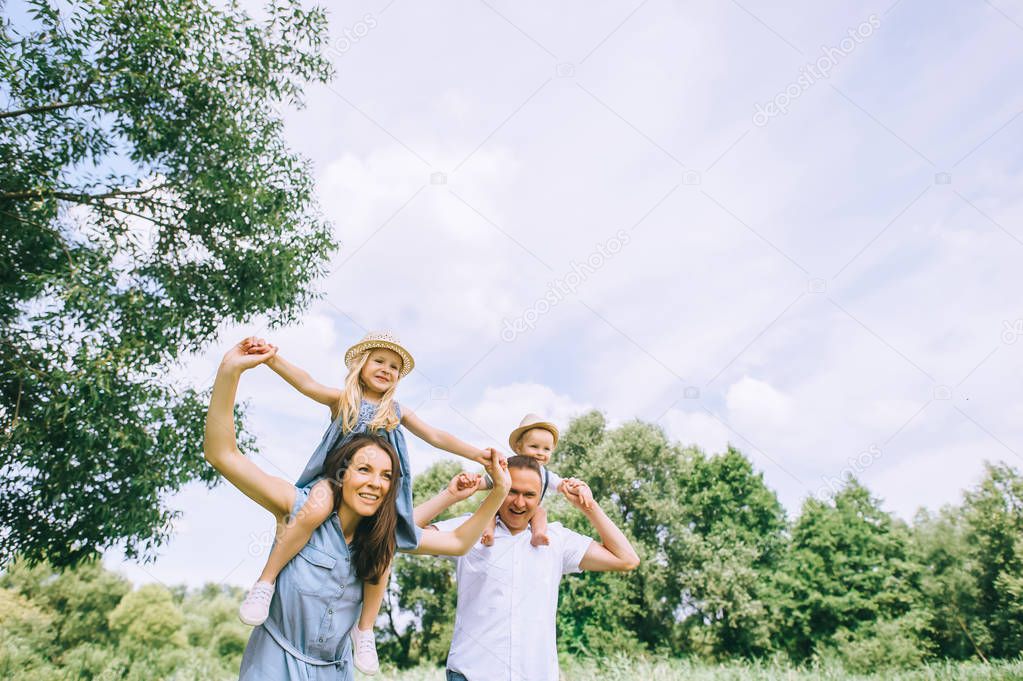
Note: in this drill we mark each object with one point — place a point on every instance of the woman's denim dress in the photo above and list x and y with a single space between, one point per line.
315 605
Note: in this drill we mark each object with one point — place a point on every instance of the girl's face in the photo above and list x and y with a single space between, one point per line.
367 480
381 371
538 444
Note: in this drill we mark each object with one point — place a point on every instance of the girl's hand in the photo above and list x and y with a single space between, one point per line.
483 457
256 346
497 466
464 485
241 359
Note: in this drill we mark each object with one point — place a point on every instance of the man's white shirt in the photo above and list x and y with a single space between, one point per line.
507 602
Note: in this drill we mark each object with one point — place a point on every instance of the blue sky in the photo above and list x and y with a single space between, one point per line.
837 287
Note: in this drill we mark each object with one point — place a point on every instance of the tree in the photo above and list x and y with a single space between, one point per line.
993 514
848 579
85 622
211 622
707 530
153 199
26 639
80 599
148 618
948 588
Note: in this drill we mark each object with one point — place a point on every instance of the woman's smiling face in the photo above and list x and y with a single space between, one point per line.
367 480
381 371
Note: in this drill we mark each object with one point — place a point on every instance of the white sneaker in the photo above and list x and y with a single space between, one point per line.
364 645
256 606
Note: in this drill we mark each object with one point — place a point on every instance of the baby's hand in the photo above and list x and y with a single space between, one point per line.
487 538
464 485
467 480
578 488
578 493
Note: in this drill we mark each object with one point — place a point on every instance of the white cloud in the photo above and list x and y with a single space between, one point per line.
501 408
697 428
758 404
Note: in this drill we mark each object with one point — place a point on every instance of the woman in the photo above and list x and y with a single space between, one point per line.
319 593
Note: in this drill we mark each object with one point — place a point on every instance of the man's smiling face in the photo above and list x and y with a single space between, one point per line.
522 500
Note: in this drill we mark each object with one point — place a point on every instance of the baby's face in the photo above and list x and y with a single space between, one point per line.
538 444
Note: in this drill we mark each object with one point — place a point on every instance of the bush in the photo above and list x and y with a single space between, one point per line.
881 644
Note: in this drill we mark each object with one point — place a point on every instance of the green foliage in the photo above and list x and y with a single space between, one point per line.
948 591
707 530
847 566
724 576
859 590
630 668
880 644
153 200
148 618
81 599
993 514
26 635
211 621
146 634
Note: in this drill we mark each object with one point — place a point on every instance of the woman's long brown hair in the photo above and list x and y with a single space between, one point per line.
374 543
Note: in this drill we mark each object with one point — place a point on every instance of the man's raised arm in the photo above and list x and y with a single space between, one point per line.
614 553
462 486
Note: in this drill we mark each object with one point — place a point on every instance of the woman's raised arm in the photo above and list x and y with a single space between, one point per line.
221 447
458 541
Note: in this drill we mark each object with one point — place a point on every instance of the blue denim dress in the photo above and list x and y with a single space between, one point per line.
406 532
314 607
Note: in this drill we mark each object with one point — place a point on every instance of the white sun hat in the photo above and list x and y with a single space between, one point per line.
529 422
381 339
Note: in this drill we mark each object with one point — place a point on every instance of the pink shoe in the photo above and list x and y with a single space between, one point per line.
256 606
364 646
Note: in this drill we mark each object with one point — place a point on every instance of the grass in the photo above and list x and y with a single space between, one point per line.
653 669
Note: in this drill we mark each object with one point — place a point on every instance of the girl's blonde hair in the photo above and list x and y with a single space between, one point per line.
386 416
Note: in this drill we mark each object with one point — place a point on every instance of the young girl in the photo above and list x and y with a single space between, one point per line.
537 438
365 404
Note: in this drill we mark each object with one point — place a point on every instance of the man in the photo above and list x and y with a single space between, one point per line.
508 592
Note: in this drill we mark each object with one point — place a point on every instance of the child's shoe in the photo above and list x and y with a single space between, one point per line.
364 645
256 606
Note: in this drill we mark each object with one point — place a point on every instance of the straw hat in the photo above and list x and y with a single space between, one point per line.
530 421
381 339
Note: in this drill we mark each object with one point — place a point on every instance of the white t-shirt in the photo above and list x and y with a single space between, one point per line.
507 601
